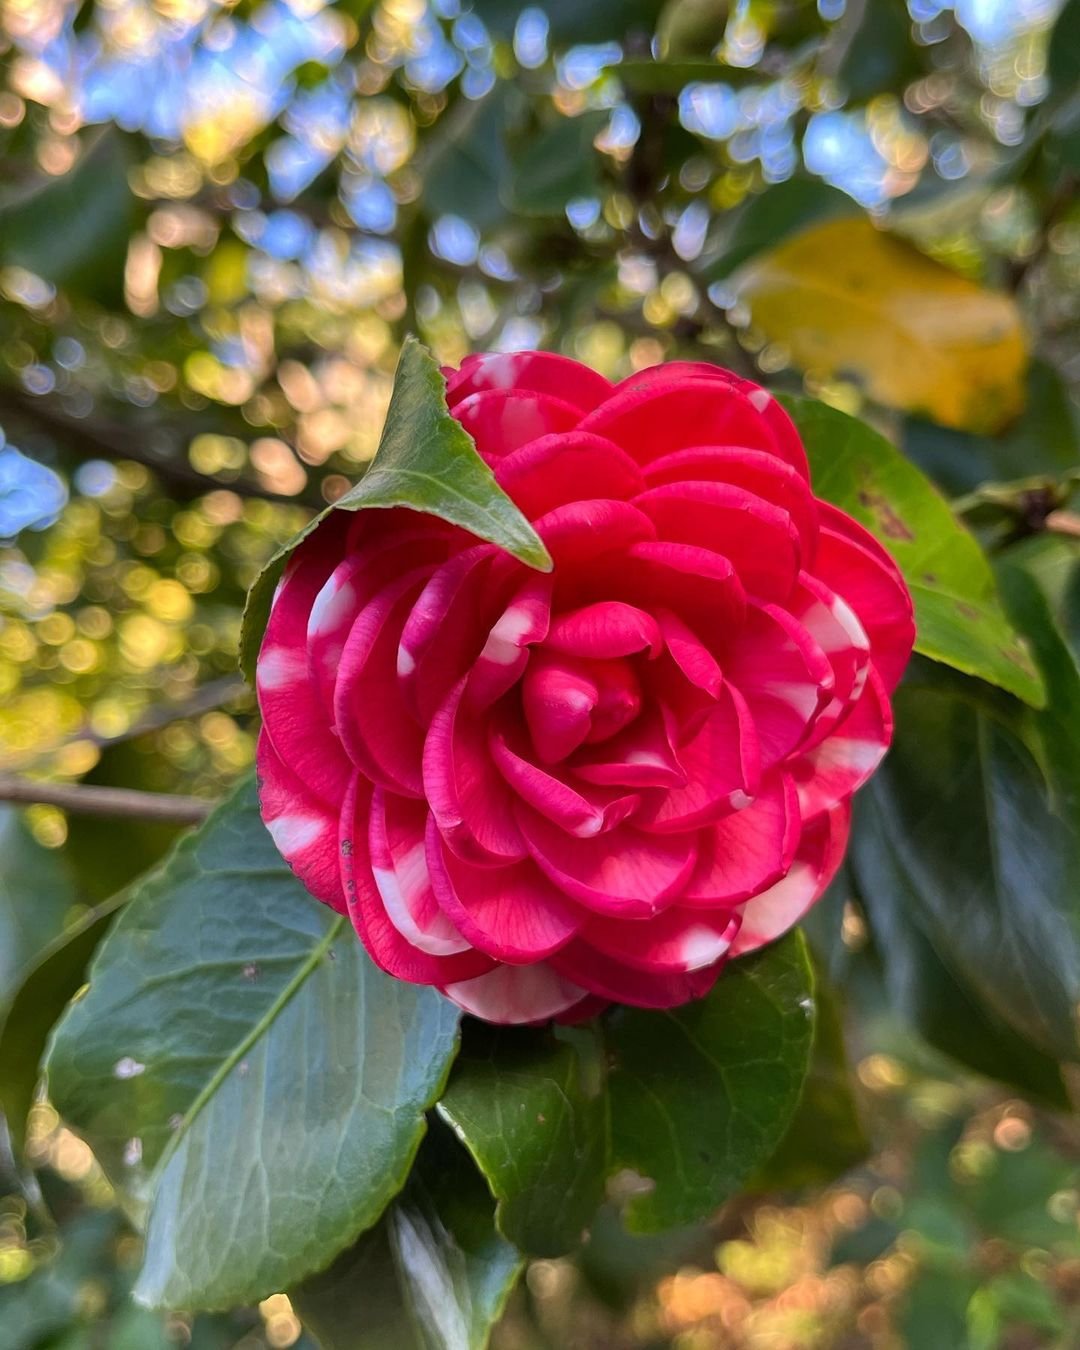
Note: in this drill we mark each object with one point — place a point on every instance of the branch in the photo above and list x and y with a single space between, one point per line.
88 800
114 441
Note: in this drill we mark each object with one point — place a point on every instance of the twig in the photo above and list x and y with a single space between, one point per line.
90 800
113 441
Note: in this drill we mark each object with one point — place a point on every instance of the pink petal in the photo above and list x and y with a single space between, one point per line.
696 583
675 942
641 755
445 629
747 851
514 914
832 624
655 416
471 803
758 538
603 631
773 912
722 767
384 943
853 564
540 372
302 827
505 653
756 471
622 872
378 558
693 658
842 763
782 673
583 812
398 849
558 695
555 470
501 420
611 979
375 723
294 717
516 995
582 531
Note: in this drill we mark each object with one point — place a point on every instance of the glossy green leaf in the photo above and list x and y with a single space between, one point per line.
465 163
37 892
827 1112
770 217
88 259
531 1110
701 1096
1044 439
248 1079
425 461
672 77
556 164
53 977
958 616
956 831
434 1274
573 21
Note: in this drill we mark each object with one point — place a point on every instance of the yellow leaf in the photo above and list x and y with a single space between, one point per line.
848 300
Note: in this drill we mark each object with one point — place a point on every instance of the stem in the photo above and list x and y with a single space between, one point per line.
113 441
90 800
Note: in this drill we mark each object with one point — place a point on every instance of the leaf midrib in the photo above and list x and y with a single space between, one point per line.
233 1058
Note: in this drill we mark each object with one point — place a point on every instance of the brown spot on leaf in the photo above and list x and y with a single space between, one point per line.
891 525
966 611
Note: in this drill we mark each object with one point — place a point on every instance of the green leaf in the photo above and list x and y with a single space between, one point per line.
557 164
572 21
956 832
702 1095
531 1111
1063 54
672 77
53 977
881 56
251 1083
1044 439
464 162
434 1273
37 892
959 619
827 1112
425 461
38 228
771 216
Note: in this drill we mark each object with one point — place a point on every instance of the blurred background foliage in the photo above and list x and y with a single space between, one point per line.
217 222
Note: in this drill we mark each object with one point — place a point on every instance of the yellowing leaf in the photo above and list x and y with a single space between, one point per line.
848 300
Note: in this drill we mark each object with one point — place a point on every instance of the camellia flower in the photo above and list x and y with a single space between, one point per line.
546 792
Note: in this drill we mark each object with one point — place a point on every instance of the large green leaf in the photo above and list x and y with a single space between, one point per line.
248 1079
959 619
73 230
48 982
426 461
557 164
827 1112
531 1109
771 216
702 1095
434 1273
37 892
956 834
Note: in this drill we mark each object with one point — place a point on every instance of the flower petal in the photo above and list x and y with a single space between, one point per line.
582 811
516 995
747 851
554 470
514 913
821 850
538 372
469 798
613 979
501 420
845 759
302 827
384 943
603 631
623 872
675 942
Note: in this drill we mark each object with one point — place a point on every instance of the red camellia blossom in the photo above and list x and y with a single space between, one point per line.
546 792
